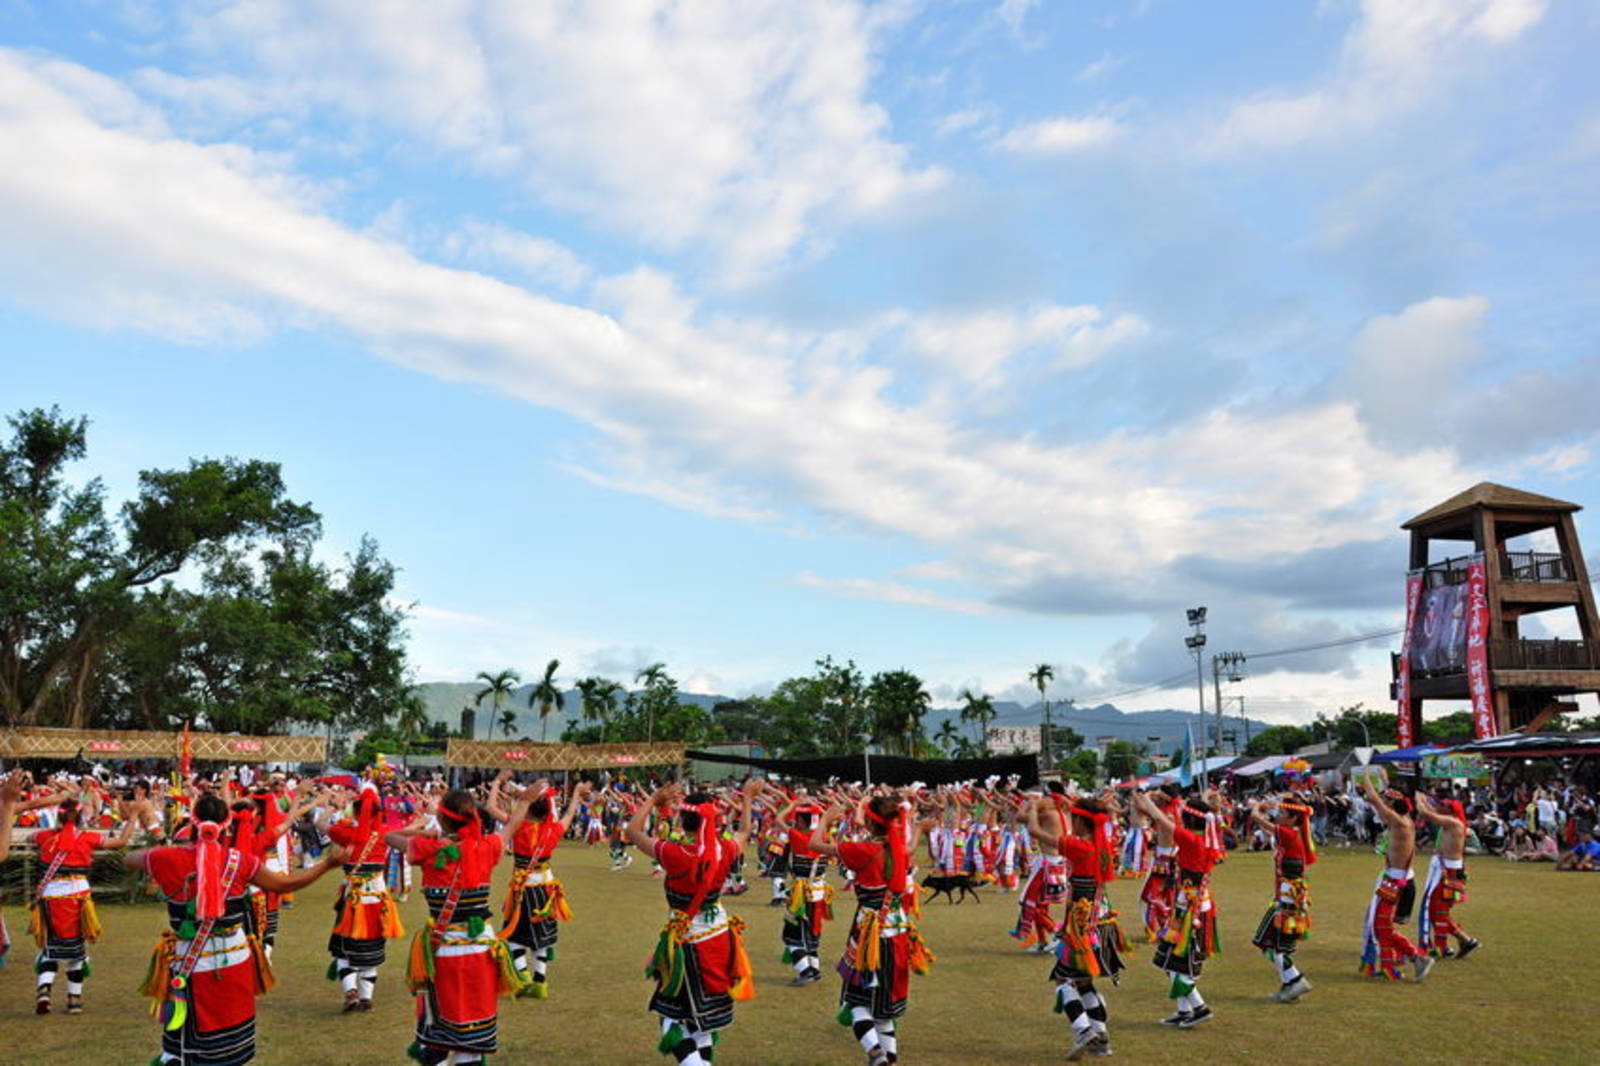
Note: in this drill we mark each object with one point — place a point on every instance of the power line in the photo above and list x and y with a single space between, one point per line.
1172 682
1341 642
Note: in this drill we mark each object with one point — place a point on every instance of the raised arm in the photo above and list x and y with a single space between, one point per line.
819 833
273 881
634 831
1158 817
10 793
1261 819
580 796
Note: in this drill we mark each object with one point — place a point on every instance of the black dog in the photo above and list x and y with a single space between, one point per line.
948 886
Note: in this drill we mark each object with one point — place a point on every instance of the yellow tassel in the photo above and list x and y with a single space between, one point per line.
744 978
91 921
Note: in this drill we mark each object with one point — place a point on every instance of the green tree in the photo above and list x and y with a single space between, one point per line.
1344 729
842 710
660 691
412 723
1041 676
547 697
1453 728
497 689
946 736
597 701
1123 758
1082 766
69 576
1278 740
898 703
979 711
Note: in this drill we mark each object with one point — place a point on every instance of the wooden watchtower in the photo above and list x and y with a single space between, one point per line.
1528 677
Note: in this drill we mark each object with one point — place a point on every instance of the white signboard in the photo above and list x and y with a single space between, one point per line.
1013 739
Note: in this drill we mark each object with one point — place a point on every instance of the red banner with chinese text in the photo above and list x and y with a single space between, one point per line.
1403 734
1479 687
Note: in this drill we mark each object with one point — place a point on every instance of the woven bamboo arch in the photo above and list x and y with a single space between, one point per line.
39 743
517 755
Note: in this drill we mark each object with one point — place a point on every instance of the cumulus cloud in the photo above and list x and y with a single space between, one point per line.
733 124
522 255
1060 136
1392 61
120 225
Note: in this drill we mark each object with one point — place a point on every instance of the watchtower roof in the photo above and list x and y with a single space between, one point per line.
1493 496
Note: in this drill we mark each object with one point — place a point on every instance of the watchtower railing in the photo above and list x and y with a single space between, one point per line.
1523 654
1535 566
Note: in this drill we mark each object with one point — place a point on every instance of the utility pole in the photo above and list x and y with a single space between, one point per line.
1196 643
1225 663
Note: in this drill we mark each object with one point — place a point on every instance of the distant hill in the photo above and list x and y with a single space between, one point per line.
445 699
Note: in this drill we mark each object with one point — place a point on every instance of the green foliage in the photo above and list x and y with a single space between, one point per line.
897 703
1278 740
203 601
1123 758
1452 728
1345 732
1082 766
546 697
979 710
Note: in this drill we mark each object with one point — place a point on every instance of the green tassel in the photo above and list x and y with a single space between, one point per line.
187 929
414 1051
1180 987
716 1037
446 855
670 1039
843 1017
550 953
475 926
38 966
88 971
787 956
333 970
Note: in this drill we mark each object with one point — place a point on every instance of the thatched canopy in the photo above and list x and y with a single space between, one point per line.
112 744
521 755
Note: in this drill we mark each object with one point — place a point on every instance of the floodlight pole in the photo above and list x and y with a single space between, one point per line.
1196 642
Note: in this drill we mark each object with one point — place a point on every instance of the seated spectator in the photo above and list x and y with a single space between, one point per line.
1544 848
1584 856
1519 844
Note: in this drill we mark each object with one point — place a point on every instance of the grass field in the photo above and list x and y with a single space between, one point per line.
1527 996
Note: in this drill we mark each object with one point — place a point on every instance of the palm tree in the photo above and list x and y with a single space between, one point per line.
947 736
496 689
547 697
652 677
1041 676
508 723
413 719
979 710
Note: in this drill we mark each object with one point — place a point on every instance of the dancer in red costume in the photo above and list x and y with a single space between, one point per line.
206 972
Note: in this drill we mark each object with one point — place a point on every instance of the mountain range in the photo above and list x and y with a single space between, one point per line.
445 699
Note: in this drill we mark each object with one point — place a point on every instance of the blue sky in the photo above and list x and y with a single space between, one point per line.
958 336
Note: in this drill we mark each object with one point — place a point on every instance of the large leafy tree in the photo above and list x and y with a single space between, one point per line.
201 600
1345 729
597 701
546 697
1278 740
898 703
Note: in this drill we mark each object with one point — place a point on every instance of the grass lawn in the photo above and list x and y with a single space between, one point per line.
1526 996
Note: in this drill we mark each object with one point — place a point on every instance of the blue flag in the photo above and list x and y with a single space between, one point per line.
1186 765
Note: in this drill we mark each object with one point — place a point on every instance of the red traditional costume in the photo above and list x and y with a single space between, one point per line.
63 919
884 947
206 971
536 900
1288 919
1189 935
810 902
1446 887
366 915
458 966
699 964
1090 943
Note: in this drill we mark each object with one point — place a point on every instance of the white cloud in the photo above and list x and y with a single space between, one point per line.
1097 69
738 123
1060 136
1406 364
894 592
977 345
497 247
956 121
708 411
1014 13
1391 62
